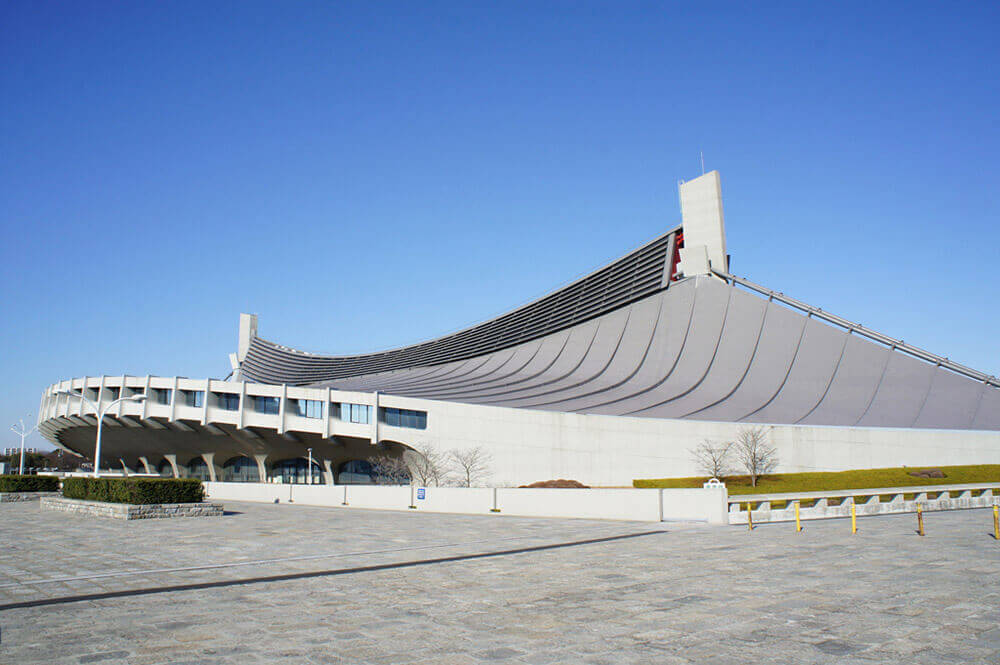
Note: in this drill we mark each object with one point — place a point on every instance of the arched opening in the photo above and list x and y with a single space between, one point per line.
165 470
384 471
240 469
296 472
197 468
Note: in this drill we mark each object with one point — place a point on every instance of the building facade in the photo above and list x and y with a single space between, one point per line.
616 376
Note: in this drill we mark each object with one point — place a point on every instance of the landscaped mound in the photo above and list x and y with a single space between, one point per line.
928 473
558 484
832 481
135 490
15 483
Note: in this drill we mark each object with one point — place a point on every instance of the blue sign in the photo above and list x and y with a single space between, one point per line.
421 493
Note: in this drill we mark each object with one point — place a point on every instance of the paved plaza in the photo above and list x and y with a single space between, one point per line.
297 584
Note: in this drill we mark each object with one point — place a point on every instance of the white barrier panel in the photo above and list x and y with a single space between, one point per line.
611 504
648 505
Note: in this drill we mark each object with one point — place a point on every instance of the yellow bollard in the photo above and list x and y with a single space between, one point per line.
854 519
920 519
996 522
798 524
749 516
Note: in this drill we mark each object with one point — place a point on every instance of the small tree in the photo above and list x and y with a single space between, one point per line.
755 454
714 459
427 464
388 470
471 466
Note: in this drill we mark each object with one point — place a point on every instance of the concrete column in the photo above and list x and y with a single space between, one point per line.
145 402
375 418
328 471
326 416
204 402
243 404
145 463
173 464
281 408
704 225
125 470
208 457
173 402
121 393
261 467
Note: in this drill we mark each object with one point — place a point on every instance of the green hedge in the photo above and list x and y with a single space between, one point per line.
15 483
135 490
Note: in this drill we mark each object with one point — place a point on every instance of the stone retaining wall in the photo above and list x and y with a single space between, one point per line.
128 511
10 497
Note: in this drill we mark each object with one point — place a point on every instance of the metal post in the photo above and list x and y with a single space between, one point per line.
854 518
996 522
97 448
100 418
920 519
749 516
310 472
23 433
798 524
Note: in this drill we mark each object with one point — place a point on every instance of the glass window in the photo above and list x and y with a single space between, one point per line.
137 391
404 418
356 413
163 395
112 393
195 398
267 404
309 408
241 470
228 401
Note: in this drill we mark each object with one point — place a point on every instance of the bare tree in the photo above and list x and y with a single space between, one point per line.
427 464
755 454
714 459
388 470
471 466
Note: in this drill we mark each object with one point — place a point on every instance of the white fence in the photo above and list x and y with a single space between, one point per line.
648 505
874 501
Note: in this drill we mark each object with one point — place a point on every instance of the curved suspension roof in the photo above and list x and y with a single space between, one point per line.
630 278
628 340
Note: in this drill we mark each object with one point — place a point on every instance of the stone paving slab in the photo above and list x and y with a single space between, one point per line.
687 594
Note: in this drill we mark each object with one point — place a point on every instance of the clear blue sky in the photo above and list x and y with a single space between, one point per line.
365 175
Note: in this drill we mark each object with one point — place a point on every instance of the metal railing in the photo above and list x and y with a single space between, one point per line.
870 501
852 327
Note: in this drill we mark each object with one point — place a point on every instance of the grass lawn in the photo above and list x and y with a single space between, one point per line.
839 480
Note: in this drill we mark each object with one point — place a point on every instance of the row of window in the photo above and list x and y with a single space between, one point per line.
290 471
305 408
404 418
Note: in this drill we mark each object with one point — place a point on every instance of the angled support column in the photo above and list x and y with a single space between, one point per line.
261 467
173 464
328 471
145 464
208 457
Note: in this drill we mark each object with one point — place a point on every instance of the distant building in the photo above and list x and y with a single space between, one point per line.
616 376
17 451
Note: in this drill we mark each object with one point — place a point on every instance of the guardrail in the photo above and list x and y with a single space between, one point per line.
859 329
871 501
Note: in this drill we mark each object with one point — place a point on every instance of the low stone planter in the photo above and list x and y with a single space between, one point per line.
128 511
12 497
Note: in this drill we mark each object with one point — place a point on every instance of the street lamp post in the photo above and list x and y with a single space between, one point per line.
100 420
310 472
23 433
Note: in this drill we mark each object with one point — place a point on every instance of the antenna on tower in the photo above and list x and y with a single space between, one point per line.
702 153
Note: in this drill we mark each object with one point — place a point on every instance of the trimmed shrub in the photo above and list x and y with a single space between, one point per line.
14 483
135 490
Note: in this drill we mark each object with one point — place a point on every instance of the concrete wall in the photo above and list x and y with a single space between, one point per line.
526 445
648 505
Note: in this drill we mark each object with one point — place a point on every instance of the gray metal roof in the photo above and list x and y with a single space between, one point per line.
618 342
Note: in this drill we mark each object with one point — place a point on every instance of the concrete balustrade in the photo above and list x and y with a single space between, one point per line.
865 502
647 505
